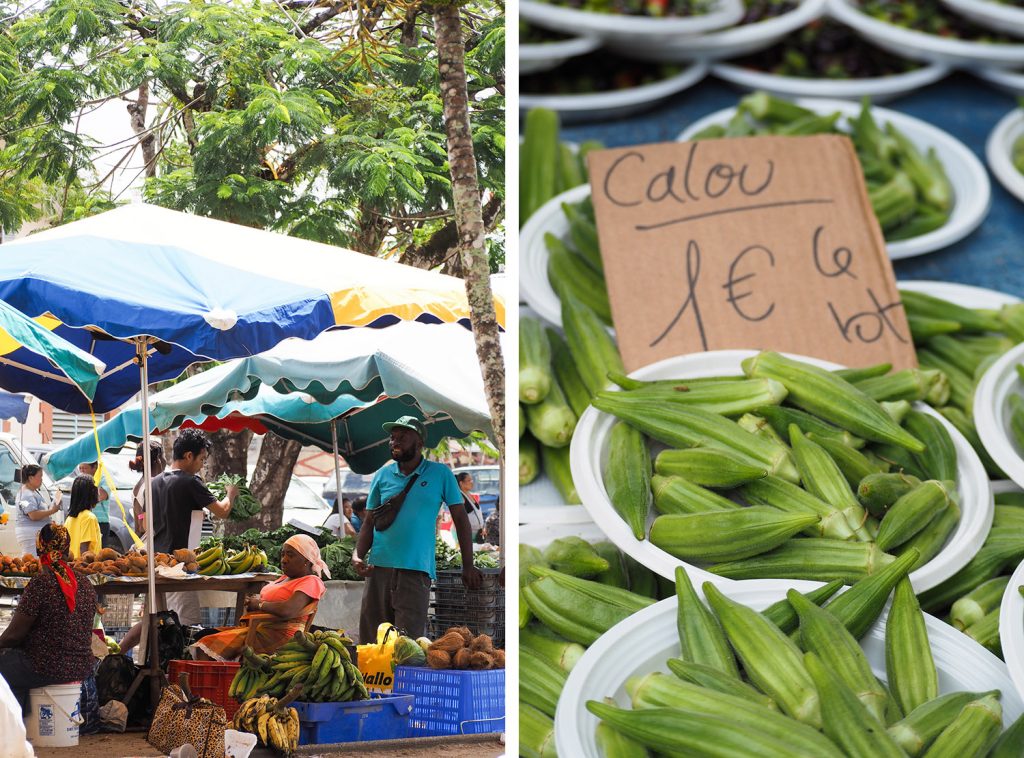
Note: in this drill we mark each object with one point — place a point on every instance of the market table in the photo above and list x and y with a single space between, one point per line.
962 105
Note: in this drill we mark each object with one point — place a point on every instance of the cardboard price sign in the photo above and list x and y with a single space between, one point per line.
754 242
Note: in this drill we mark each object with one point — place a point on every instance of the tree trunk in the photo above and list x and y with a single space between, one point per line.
271 478
137 111
451 51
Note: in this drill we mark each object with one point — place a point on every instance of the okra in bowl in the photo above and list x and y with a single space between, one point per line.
824 695
747 429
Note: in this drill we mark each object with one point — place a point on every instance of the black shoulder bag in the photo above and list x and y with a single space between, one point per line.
384 515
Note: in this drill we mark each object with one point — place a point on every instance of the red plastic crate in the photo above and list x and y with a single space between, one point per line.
209 679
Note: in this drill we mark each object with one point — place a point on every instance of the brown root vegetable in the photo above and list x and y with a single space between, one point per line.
184 556
482 644
192 566
499 658
108 554
438 659
461 659
463 631
480 661
449 643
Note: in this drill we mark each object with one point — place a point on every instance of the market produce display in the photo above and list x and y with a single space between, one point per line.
25 565
762 10
597 72
908 188
554 166
459 648
828 50
651 8
317 666
271 720
245 506
216 561
449 557
793 679
529 34
596 577
930 17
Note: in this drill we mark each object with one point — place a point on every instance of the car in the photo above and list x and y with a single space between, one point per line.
353 485
486 484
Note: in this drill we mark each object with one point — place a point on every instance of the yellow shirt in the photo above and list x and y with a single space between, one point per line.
84 528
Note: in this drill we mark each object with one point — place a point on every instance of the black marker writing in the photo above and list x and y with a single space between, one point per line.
842 257
868 326
733 280
692 277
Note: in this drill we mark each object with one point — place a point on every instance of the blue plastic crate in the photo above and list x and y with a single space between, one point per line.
382 718
453 702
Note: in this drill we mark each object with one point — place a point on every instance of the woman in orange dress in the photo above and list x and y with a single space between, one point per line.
284 599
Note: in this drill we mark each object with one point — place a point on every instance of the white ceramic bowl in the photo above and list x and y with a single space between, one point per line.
999 152
992 413
971 189
728 43
925 47
1009 81
544 56
534 288
644 642
638 29
880 89
589 453
1011 628
1003 18
597 106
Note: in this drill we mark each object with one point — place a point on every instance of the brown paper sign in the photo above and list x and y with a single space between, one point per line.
754 242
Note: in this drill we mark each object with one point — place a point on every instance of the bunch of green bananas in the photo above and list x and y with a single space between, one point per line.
252 676
321 664
276 725
217 562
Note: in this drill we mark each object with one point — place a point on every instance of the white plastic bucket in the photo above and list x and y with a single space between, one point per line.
54 715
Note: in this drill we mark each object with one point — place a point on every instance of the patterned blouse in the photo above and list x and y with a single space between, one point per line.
59 642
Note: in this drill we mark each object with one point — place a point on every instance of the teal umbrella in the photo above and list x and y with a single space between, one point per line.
64 362
346 383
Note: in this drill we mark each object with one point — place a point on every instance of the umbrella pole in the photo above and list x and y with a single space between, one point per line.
154 649
337 468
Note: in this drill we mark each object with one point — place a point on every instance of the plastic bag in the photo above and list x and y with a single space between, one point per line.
13 744
113 716
89 706
374 660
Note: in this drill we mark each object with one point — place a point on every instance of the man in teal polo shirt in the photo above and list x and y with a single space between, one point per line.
403 561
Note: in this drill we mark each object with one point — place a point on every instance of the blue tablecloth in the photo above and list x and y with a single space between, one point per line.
966 107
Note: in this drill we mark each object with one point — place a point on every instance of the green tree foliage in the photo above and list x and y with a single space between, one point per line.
318 119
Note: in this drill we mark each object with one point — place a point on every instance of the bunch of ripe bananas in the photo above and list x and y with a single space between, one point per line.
218 562
276 725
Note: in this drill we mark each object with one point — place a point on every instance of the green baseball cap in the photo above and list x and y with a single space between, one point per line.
408 422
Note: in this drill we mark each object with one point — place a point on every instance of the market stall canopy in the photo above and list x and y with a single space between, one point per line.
29 346
14 406
362 378
202 289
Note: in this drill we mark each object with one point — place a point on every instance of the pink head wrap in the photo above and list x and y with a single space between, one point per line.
307 548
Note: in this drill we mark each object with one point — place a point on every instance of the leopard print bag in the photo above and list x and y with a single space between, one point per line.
181 718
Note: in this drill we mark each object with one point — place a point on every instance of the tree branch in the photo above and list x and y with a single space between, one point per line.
445 241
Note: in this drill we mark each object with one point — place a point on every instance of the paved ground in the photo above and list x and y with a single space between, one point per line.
134 744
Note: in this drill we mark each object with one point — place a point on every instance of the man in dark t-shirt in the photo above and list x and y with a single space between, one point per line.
179 497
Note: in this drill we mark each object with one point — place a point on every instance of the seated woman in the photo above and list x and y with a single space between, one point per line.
82 523
284 599
49 639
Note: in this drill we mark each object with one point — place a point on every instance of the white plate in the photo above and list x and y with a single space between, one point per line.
879 88
543 56
1009 81
999 152
542 535
645 641
541 503
1011 628
641 29
597 106
972 192
926 47
728 43
589 452
1002 18
992 412
964 295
